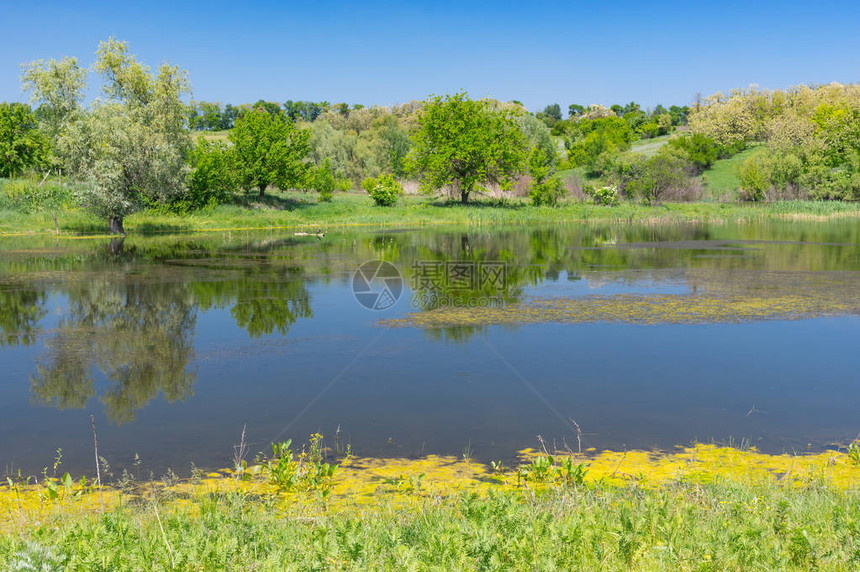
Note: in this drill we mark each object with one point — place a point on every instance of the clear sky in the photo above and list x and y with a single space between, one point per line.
386 52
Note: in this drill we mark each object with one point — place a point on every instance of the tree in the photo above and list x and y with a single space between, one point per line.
60 86
550 114
22 145
270 150
132 144
464 144
575 110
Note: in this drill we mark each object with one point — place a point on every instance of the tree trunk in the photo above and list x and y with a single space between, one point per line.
116 225
464 196
262 190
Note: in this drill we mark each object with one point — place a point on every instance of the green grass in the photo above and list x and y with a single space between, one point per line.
297 210
710 527
721 179
649 147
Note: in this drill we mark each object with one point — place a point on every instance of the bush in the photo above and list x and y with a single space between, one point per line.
774 175
654 178
384 190
547 192
606 196
324 181
214 176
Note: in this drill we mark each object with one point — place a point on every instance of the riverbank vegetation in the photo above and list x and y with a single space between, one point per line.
702 508
33 212
133 149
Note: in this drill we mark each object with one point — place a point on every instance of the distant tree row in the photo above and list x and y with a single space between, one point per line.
632 113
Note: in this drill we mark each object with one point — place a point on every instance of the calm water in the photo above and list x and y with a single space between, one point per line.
176 343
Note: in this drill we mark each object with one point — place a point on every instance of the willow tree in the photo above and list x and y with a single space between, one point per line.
465 145
131 144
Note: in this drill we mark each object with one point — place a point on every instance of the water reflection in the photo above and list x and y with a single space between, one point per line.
118 320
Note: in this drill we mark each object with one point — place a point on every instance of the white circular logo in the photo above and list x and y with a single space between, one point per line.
377 285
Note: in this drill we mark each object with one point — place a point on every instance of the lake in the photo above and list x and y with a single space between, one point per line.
463 341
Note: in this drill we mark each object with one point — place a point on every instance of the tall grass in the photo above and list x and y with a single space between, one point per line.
712 527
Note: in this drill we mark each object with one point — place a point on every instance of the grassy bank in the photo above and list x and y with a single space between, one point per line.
703 508
296 210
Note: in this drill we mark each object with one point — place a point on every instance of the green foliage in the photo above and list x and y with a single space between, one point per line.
465 145
854 452
324 181
384 190
60 86
811 139
307 471
305 110
205 116
706 528
27 195
770 172
543 469
131 146
395 143
699 149
270 150
606 196
651 179
588 139
213 178
22 145
546 187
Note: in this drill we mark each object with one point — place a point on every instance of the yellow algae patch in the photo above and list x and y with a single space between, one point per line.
362 482
706 463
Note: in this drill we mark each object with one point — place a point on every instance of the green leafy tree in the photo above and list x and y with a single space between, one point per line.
464 145
270 150
550 114
22 145
132 144
60 87
575 110
214 176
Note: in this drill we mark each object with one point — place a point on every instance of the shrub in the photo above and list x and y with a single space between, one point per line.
546 188
655 177
606 196
324 181
214 176
547 192
384 190
776 175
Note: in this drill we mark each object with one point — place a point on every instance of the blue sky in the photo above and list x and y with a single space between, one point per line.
385 52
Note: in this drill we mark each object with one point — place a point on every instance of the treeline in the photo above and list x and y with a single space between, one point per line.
134 147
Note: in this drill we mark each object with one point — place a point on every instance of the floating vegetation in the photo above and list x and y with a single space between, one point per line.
369 481
717 297
630 309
